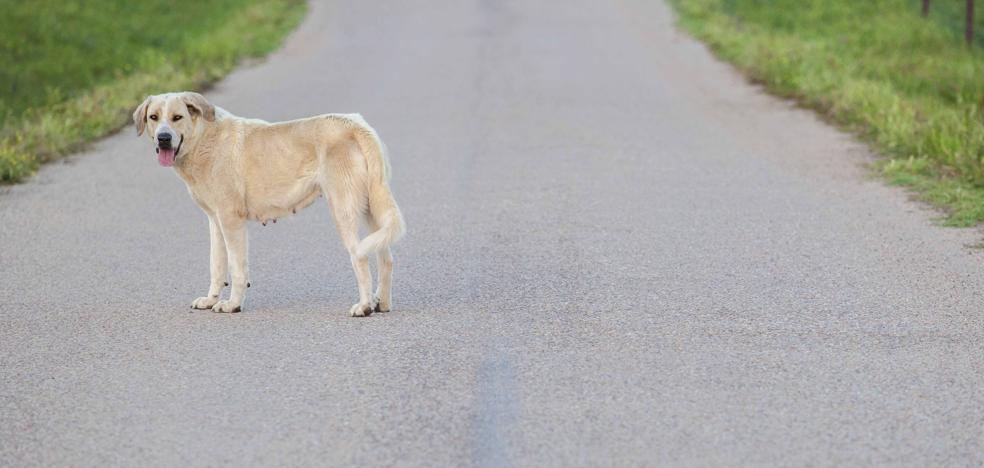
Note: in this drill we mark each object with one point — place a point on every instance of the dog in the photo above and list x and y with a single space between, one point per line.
240 170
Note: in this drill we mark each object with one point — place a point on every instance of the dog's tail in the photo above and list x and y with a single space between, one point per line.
382 206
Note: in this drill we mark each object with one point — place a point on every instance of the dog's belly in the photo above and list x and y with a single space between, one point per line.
267 203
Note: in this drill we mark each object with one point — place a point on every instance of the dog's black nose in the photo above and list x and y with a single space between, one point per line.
164 139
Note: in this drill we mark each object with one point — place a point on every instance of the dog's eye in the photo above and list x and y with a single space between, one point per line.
153 117
176 118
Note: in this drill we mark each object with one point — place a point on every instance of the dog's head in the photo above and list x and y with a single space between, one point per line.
173 120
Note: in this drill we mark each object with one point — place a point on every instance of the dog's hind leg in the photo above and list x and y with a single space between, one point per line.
384 273
347 213
384 262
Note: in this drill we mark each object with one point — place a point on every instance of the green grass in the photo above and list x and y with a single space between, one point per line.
906 84
73 70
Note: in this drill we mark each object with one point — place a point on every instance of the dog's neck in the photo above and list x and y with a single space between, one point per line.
198 158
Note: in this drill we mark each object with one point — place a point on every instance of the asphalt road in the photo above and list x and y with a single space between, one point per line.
619 253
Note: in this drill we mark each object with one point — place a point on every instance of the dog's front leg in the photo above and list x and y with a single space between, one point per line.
218 267
234 233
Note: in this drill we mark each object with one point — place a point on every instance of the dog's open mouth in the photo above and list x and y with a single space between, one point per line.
167 155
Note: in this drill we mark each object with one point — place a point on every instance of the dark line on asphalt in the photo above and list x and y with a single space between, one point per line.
495 409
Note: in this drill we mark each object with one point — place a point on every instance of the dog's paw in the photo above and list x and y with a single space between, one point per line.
226 307
380 307
362 309
204 302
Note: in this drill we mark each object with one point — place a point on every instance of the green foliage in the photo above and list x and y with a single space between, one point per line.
74 70
907 84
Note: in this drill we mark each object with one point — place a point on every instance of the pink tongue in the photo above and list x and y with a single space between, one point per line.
166 157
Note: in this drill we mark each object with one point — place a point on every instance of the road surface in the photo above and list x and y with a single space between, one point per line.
619 253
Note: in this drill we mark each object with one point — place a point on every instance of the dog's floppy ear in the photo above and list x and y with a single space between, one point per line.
140 116
197 104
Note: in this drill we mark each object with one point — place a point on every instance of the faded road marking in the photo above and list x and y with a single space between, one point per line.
495 409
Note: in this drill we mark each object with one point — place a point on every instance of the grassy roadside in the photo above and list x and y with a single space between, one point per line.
905 84
75 70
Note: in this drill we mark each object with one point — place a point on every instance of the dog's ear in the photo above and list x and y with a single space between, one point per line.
140 116
197 104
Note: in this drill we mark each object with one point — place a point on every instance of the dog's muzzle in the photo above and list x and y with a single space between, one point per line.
166 154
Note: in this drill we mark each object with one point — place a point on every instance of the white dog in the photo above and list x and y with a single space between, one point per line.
240 169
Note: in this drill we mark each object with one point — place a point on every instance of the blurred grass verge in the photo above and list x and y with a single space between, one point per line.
74 70
906 84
